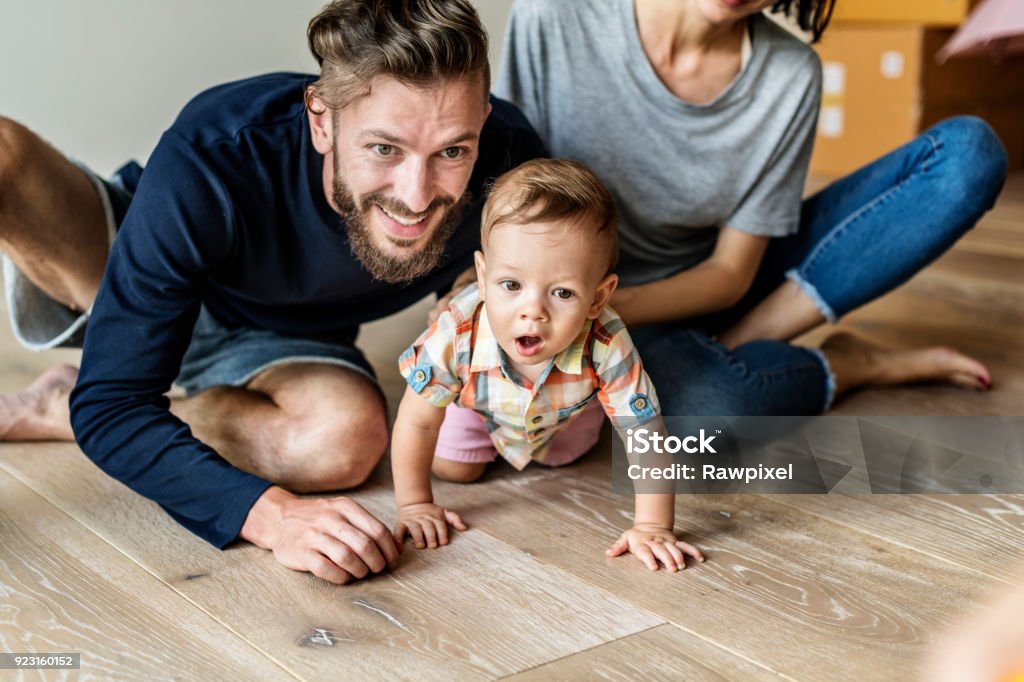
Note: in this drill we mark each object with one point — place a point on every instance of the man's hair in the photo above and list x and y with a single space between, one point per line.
417 42
811 15
555 190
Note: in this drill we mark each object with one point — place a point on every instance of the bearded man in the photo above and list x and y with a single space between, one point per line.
274 217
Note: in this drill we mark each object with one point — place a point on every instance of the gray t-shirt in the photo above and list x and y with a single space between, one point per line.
679 171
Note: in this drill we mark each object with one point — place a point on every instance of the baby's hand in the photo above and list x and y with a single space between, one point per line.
653 544
427 524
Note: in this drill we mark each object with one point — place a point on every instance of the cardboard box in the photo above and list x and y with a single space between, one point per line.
924 12
882 86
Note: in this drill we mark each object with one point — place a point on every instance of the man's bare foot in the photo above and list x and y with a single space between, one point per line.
40 412
857 362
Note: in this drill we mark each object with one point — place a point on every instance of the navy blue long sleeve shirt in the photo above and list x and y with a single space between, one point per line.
230 212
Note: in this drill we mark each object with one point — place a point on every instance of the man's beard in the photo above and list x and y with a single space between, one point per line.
384 266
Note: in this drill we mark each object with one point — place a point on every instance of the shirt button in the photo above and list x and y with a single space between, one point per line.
420 375
538 419
639 403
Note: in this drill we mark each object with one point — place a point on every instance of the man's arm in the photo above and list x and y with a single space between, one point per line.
177 234
178 231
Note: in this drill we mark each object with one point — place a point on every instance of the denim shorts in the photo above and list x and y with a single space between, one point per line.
224 356
218 355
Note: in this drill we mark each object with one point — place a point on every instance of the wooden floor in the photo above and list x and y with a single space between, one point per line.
795 587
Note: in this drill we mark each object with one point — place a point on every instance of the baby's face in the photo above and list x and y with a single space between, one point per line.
540 283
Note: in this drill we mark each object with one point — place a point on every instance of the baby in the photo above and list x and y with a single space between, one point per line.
519 358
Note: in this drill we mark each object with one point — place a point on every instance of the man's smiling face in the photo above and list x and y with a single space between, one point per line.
396 166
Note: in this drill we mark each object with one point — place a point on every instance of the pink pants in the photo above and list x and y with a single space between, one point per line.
464 438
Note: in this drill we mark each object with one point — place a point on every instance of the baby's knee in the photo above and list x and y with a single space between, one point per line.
458 472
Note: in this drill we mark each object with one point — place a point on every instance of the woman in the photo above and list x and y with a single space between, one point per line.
700 116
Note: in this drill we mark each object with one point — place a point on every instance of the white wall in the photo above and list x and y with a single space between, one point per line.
101 79
494 14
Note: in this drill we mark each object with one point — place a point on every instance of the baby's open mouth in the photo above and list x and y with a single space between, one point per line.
528 345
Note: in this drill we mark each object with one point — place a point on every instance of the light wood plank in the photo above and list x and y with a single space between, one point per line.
66 590
662 653
984 533
475 609
829 596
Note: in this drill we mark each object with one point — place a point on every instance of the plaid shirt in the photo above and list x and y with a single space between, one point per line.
458 360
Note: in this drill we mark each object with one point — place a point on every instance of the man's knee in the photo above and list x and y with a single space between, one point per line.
333 426
14 152
334 451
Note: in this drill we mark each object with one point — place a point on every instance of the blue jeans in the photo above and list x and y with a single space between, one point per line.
859 238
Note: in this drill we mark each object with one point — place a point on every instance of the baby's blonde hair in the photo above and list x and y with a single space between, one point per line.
554 190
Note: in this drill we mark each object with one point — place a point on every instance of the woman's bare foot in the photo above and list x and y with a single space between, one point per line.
40 412
857 362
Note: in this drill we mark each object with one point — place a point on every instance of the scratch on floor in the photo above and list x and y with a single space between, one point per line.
394 621
322 637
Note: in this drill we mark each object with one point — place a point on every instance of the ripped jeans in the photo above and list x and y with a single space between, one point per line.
859 238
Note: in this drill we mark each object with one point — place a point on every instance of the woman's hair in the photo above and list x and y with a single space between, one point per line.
418 42
811 15
555 190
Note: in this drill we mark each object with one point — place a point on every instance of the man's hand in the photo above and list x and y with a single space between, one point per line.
467 277
332 538
652 545
427 524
